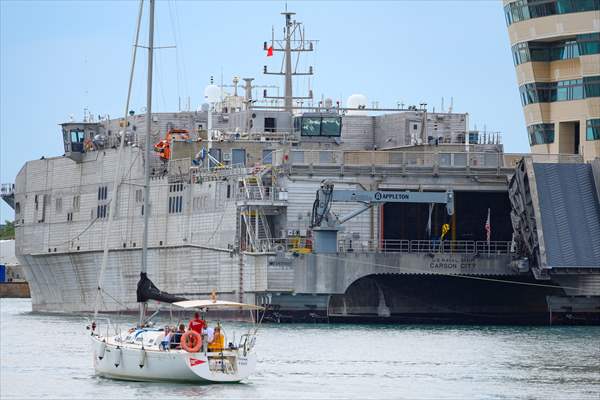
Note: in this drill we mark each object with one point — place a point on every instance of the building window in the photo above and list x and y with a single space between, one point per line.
58 203
139 197
589 43
560 50
17 208
69 217
592 131
540 134
591 85
573 89
522 10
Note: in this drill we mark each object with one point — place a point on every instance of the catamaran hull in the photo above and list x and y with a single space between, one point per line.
136 364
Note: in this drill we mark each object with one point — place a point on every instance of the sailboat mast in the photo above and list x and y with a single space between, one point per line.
144 267
148 138
116 176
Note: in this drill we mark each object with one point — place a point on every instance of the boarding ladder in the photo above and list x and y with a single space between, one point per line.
257 227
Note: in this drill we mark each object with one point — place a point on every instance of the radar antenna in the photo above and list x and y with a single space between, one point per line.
293 42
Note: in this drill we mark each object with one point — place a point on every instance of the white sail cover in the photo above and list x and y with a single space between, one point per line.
221 304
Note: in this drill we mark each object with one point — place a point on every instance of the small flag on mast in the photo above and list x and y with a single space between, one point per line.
488 227
270 51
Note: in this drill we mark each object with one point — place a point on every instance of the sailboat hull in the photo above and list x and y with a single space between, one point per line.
133 363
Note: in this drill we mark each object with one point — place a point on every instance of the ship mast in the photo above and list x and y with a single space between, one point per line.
144 267
293 42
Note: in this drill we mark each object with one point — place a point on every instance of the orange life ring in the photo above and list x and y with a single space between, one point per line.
191 341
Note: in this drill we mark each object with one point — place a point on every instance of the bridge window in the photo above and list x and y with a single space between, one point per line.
331 126
77 136
320 126
310 126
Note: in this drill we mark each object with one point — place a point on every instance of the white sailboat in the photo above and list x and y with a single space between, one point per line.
142 353
137 354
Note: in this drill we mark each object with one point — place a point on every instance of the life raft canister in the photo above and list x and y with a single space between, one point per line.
191 341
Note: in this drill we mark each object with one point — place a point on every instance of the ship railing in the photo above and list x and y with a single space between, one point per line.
289 244
425 246
438 159
267 194
470 247
7 189
217 173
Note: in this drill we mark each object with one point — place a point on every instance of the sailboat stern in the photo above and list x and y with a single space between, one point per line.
226 366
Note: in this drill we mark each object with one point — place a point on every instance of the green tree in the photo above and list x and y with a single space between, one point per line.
7 231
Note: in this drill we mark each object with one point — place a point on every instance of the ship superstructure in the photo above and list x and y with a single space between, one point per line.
231 205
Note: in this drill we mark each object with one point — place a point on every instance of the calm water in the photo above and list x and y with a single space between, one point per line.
323 361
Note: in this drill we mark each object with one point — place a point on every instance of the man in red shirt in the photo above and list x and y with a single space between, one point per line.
197 324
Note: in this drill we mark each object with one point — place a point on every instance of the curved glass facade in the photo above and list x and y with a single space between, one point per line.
522 10
547 92
559 50
540 133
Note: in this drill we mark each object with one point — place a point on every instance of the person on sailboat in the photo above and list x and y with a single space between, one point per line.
165 343
176 342
218 342
197 324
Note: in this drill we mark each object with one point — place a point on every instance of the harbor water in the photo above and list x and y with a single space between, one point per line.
49 356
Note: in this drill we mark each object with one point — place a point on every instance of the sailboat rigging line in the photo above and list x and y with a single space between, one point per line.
181 47
118 166
456 275
117 301
177 68
80 233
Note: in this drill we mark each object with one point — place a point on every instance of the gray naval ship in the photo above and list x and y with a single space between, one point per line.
319 211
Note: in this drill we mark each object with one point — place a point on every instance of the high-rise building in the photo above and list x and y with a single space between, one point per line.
556 51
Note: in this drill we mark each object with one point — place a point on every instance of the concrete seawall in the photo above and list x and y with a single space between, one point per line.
14 289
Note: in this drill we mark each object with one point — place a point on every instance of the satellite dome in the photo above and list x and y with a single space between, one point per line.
356 101
212 93
205 107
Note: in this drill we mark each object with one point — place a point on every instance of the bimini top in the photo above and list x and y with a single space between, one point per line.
220 304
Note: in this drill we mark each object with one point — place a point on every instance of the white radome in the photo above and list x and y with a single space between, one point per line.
357 101
212 93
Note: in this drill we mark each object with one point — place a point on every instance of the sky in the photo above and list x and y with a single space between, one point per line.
58 58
